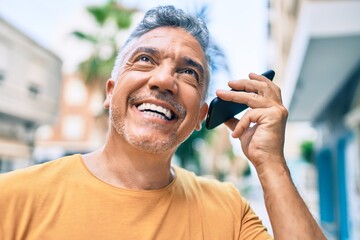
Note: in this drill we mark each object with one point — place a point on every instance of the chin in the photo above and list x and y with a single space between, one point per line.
154 146
149 141
149 138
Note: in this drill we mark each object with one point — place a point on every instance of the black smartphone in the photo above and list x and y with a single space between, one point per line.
220 111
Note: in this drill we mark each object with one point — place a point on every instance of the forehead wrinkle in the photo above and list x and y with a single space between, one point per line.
173 51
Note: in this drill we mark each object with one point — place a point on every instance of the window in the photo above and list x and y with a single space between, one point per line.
2 76
36 78
75 92
3 61
5 165
34 90
73 127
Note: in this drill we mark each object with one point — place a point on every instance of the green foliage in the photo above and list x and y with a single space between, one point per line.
307 151
187 152
247 171
112 10
99 13
123 19
94 69
97 68
85 36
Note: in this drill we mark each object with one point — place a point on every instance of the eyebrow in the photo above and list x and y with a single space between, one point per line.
146 50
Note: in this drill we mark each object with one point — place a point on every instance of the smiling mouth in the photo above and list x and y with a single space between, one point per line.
156 111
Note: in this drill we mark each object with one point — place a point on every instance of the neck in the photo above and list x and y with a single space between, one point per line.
124 166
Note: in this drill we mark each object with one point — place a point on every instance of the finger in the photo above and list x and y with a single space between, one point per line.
252 116
258 84
254 76
248 85
252 100
270 86
242 125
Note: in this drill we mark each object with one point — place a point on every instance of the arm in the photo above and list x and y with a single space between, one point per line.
263 144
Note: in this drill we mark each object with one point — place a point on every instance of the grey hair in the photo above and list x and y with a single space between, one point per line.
163 16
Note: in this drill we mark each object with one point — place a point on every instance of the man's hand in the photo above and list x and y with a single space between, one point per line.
261 130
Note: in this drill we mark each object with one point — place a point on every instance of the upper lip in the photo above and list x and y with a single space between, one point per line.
160 103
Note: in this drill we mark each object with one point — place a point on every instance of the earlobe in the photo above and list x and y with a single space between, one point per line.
202 115
110 85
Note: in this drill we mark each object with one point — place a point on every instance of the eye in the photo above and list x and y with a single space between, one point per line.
144 59
191 72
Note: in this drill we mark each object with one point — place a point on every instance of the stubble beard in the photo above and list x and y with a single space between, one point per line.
149 144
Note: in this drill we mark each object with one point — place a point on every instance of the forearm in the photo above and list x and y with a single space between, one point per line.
289 216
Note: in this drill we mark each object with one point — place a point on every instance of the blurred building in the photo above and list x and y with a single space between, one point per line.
316 51
82 122
30 79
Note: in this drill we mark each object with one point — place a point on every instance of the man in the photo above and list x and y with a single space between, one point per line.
128 188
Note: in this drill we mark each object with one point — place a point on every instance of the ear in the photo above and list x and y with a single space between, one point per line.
202 115
110 85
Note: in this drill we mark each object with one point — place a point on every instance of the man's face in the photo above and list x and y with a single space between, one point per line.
156 102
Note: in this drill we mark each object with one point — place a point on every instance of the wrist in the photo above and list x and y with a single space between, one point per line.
273 172
267 163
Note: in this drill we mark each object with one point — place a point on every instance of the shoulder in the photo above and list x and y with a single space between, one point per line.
189 178
222 203
207 188
36 175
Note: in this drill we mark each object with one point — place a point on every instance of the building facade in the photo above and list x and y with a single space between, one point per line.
316 50
30 80
82 123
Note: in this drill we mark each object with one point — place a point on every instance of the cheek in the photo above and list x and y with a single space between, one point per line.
191 95
192 100
130 81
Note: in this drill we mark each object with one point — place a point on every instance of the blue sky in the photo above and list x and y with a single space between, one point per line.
239 27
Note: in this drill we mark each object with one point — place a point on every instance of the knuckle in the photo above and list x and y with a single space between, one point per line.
255 96
267 85
263 87
253 99
283 112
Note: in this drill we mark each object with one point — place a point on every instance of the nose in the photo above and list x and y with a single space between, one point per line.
164 80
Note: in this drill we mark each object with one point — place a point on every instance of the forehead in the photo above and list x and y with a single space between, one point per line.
171 39
173 42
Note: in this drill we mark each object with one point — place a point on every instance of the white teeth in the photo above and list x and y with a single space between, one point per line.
155 115
153 107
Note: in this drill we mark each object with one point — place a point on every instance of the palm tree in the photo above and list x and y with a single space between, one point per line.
110 18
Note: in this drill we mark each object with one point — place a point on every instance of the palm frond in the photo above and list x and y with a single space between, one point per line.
85 36
100 13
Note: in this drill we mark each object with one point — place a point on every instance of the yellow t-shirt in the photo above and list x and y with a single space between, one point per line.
61 199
